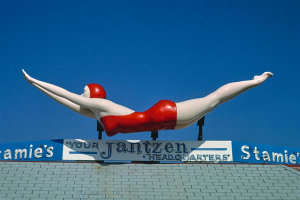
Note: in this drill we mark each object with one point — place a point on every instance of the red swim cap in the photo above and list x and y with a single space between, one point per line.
96 91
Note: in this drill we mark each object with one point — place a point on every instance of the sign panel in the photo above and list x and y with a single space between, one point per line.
258 153
148 150
137 150
49 150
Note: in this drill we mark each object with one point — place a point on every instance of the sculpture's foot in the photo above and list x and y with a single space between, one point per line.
263 77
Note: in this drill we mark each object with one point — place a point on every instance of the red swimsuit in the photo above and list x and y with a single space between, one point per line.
160 116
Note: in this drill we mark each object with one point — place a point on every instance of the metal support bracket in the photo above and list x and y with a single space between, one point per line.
154 135
200 123
100 130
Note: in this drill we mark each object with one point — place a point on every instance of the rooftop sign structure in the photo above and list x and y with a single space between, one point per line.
165 114
148 150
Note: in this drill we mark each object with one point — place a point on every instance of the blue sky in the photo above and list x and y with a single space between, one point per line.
145 51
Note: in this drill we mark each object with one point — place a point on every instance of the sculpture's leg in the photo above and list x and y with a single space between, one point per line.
231 90
190 111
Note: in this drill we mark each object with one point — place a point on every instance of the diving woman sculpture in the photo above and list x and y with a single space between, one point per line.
163 115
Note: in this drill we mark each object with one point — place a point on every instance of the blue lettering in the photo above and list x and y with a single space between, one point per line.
156 147
178 157
121 147
169 148
184 150
132 148
109 147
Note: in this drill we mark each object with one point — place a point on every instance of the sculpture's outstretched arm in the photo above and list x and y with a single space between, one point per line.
99 104
83 111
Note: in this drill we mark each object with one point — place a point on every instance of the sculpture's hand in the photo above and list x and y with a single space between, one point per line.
28 78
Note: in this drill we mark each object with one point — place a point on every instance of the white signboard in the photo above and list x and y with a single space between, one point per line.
147 150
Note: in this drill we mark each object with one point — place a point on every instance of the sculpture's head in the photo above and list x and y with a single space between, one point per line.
94 90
